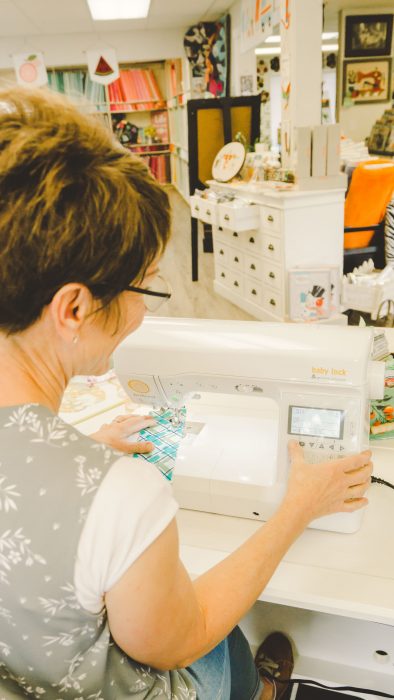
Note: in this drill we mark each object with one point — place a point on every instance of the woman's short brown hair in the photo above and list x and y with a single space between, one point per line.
75 206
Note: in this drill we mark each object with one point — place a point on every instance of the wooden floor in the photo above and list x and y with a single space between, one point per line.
191 299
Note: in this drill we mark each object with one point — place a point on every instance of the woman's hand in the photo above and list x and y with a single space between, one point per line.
115 434
329 487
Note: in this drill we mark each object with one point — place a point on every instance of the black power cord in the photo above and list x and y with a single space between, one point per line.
377 480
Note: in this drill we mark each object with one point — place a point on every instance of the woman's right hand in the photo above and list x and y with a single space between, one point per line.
329 487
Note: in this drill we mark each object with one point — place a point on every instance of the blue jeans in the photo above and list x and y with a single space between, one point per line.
227 672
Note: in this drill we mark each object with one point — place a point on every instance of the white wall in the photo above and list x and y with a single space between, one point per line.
69 49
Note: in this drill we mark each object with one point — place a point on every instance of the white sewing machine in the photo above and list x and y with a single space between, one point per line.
233 460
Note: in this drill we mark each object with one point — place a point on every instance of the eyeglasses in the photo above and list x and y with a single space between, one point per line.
157 292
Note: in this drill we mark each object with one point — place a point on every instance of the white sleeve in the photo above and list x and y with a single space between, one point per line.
132 507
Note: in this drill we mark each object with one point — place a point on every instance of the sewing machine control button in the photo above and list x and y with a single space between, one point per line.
138 386
301 443
245 388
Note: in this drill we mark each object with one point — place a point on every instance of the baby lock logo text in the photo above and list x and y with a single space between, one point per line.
329 372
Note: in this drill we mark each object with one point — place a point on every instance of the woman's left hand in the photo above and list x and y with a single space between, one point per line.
115 434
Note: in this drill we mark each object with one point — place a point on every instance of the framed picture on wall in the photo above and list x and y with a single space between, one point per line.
366 82
368 35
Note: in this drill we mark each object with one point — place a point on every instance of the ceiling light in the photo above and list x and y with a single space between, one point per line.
268 51
118 9
329 35
329 47
273 39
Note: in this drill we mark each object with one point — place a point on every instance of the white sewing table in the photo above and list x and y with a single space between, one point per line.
332 593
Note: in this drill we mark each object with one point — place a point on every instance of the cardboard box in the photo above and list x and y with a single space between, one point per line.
319 150
303 152
333 149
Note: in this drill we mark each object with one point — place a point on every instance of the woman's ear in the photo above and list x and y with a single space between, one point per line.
69 309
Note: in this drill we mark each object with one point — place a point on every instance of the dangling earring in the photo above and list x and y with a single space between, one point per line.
75 339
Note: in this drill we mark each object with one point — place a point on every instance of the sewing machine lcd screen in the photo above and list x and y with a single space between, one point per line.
316 422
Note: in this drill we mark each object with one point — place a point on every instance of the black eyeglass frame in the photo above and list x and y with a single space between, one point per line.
150 292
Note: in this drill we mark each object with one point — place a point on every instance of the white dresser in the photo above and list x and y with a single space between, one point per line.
256 244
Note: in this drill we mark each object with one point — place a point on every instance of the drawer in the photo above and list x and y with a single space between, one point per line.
222 274
234 238
204 209
271 247
272 301
220 251
253 291
253 242
270 219
253 266
235 259
238 217
236 282
272 275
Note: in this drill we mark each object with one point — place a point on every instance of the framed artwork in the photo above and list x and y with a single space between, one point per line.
368 35
366 82
207 47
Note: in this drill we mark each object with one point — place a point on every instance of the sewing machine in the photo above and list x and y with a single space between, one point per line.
302 382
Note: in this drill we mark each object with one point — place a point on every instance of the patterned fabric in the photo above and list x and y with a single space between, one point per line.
50 647
389 234
166 437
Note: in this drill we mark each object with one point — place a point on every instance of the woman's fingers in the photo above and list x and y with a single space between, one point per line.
133 447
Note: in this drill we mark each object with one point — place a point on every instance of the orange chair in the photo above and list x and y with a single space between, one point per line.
371 189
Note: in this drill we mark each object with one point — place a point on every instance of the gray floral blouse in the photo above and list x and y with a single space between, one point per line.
50 647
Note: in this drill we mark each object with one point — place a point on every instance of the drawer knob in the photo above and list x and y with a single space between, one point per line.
271 247
251 240
254 292
235 234
222 274
236 284
272 275
226 217
253 266
270 218
221 252
208 212
197 208
220 228
272 302
236 259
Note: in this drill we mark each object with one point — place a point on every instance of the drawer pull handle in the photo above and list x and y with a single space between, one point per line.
226 217
221 252
197 208
222 274
208 212
270 218
271 247
236 259
272 275
254 292
235 234
220 228
236 284
272 302
251 240
253 266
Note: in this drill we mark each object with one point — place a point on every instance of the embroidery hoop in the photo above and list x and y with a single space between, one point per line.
228 161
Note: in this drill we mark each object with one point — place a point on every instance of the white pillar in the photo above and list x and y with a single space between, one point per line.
301 23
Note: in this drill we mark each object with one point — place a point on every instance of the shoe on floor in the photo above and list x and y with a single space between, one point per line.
274 658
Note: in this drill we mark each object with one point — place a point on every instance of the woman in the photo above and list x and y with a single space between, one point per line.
94 597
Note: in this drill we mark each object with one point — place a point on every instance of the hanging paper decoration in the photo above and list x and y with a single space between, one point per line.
258 18
30 69
103 66
207 46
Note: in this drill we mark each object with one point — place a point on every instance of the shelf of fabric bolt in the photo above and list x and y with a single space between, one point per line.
339 587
